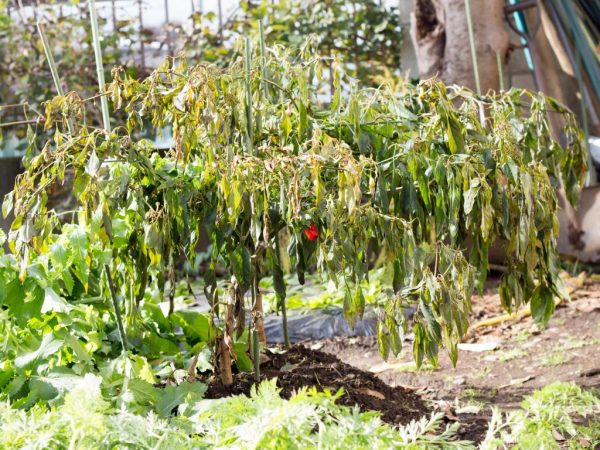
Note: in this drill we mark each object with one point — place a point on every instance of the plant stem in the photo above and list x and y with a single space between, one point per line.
256 354
115 303
19 122
286 339
255 335
284 322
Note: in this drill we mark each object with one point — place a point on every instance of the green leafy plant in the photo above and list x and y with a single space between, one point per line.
364 36
558 411
309 419
27 80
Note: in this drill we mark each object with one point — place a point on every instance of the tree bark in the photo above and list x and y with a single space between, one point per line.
441 39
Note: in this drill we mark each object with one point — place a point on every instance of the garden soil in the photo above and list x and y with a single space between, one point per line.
302 367
497 365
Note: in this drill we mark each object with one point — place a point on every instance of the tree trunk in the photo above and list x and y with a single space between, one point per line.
441 39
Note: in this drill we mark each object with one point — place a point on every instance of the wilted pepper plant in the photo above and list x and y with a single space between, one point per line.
426 179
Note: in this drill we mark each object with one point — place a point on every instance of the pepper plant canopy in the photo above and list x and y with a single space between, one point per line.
427 178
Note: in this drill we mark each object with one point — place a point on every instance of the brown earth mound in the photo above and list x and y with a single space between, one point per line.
300 366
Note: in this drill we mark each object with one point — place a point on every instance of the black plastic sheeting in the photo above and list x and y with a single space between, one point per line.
319 324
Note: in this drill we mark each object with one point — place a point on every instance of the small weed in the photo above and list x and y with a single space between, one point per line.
523 337
410 367
484 372
511 354
472 397
554 359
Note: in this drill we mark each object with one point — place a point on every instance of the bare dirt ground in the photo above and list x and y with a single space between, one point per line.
498 364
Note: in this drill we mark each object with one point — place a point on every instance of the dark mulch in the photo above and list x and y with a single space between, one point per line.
301 366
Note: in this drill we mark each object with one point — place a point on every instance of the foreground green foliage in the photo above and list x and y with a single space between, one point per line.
308 420
560 415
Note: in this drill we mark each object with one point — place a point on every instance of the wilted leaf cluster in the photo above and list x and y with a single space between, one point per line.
424 180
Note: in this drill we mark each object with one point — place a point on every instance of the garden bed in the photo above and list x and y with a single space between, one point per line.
302 367
520 358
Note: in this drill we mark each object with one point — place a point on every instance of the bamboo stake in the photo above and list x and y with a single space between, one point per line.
472 43
500 69
114 15
99 64
53 71
142 46
167 29
260 321
220 13
106 121
226 339
284 321
248 63
263 62
286 338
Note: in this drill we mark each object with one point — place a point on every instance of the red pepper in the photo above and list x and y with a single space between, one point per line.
311 232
